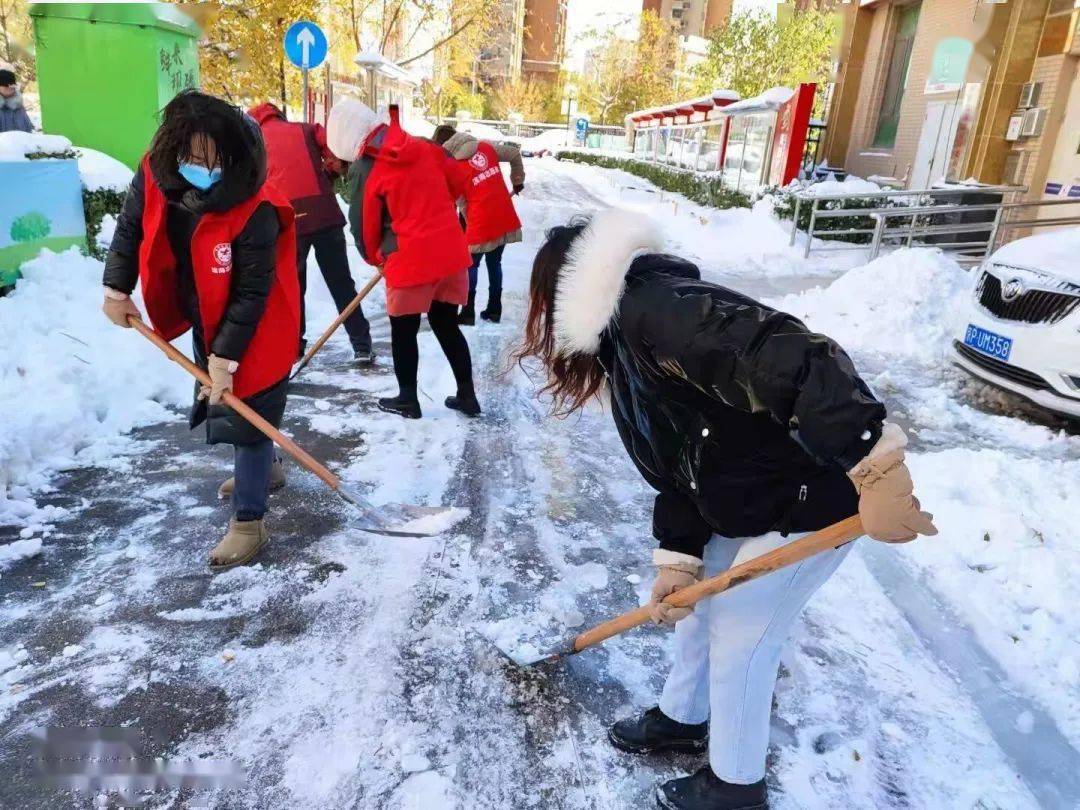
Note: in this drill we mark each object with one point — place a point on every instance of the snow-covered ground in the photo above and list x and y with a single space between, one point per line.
347 670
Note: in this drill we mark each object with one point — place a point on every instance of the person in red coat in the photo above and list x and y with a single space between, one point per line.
301 167
213 247
402 213
491 223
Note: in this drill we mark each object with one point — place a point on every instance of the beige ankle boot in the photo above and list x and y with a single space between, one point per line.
240 544
277 480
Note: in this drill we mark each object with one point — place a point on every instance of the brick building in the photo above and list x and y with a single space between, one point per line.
693 18
957 89
544 39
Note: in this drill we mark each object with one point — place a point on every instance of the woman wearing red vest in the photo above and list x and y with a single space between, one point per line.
214 250
491 223
401 211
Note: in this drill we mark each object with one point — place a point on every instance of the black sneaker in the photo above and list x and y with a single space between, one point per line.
402 406
467 405
707 791
364 357
655 731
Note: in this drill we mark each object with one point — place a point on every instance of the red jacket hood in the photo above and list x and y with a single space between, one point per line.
392 144
266 112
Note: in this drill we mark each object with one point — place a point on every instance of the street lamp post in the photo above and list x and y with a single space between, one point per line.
569 98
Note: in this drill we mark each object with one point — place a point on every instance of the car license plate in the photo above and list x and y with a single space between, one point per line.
988 342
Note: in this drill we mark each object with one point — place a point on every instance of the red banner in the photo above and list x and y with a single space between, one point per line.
792 123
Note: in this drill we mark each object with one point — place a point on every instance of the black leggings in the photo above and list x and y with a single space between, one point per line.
442 317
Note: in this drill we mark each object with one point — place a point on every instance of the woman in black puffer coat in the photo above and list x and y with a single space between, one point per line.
750 427
214 249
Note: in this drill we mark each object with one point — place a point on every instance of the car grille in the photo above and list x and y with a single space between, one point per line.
1031 306
997 367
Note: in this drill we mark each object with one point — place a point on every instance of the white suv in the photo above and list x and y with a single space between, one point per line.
1022 326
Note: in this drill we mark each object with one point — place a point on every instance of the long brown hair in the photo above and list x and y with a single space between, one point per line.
574 377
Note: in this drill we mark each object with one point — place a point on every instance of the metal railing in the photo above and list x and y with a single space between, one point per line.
977 229
528 129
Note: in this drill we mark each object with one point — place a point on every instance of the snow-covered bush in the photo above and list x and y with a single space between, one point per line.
705 189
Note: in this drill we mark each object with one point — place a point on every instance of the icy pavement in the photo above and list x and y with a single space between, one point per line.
347 670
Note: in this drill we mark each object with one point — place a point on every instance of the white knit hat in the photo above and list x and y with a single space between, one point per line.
349 125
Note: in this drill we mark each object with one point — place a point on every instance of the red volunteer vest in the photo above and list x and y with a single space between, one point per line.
273 348
490 212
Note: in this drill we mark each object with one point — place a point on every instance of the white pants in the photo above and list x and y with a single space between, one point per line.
727 652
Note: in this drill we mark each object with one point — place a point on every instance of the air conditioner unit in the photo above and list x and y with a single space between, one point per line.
1033 123
1029 95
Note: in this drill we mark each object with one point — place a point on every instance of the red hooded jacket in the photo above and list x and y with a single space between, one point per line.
296 165
402 193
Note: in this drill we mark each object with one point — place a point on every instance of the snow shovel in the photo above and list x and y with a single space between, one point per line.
834 536
341 318
395 520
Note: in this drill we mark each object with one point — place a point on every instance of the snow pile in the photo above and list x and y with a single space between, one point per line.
11 553
902 304
70 381
727 244
15 146
1007 560
831 187
97 170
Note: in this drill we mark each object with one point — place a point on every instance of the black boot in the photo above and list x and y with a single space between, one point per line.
467 316
404 404
466 403
364 356
655 731
493 311
707 791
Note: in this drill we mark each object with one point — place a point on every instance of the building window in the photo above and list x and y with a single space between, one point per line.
892 95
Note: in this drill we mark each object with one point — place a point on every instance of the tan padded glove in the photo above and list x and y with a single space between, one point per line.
118 306
221 374
888 508
671 577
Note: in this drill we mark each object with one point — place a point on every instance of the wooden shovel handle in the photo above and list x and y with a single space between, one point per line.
341 318
301 456
822 540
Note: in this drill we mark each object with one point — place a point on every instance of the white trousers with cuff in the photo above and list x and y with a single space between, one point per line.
727 652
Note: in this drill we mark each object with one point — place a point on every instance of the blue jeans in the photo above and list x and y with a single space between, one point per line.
727 652
494 268
251 470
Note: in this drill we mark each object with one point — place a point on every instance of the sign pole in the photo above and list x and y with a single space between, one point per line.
306 46
307 110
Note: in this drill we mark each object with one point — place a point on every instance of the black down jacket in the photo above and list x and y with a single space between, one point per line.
743 420
254 265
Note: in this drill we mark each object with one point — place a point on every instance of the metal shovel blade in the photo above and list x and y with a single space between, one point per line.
509 644
404 520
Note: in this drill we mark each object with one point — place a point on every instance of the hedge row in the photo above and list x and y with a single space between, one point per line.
703 189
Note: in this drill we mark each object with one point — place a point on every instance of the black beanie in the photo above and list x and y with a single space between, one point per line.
7 78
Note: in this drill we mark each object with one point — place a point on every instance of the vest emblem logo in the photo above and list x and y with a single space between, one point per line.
479 161
222 258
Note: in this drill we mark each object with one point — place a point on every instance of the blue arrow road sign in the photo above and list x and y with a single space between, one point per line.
305 45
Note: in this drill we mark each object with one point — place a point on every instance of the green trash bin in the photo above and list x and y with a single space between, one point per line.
105 70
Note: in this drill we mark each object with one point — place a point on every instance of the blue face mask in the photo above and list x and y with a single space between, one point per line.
199 176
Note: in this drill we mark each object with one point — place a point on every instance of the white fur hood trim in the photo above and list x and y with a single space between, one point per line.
591 282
